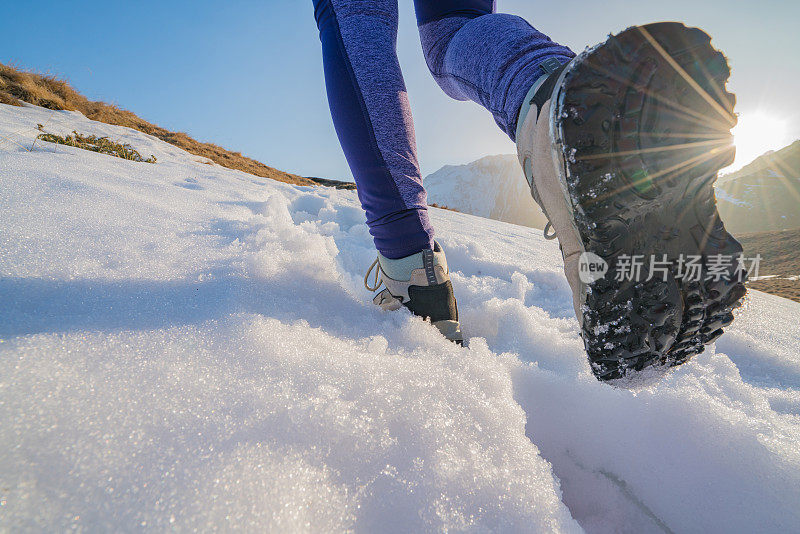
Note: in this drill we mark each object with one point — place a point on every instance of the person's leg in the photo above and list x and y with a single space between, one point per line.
621 148
372 117
490 58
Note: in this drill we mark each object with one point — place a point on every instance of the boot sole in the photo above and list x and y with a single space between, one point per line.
643 122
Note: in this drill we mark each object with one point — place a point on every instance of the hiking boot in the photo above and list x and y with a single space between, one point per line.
621 147
421 283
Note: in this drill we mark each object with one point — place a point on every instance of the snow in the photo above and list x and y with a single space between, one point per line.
187 347
492 187
725 196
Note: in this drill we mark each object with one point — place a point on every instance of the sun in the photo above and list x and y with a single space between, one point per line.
757 132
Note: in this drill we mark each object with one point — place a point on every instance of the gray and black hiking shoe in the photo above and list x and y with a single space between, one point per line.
421 283
621 147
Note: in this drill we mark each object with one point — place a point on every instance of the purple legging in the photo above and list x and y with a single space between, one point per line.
473 53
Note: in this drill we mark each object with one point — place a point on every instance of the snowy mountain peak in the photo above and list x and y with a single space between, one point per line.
492 187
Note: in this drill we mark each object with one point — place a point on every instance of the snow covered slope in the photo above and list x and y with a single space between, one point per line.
184 347
765 195
492 187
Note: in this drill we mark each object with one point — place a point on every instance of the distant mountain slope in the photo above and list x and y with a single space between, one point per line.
763 196
788 157
492 187
779 270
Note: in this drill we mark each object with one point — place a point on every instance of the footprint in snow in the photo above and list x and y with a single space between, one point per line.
190 183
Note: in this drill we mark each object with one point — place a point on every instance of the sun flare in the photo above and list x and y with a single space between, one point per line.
756 133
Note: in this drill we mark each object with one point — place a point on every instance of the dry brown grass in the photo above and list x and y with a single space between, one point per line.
49 92
779 258
102 145
435 205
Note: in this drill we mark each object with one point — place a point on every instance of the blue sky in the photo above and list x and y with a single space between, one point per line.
247 75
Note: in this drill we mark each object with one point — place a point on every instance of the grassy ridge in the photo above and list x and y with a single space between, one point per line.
17 86
779 259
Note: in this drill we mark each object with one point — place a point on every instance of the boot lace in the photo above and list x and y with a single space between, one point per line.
549 236
378 281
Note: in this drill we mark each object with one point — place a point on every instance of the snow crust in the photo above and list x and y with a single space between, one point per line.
186 347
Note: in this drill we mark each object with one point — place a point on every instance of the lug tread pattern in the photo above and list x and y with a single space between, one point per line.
622 106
